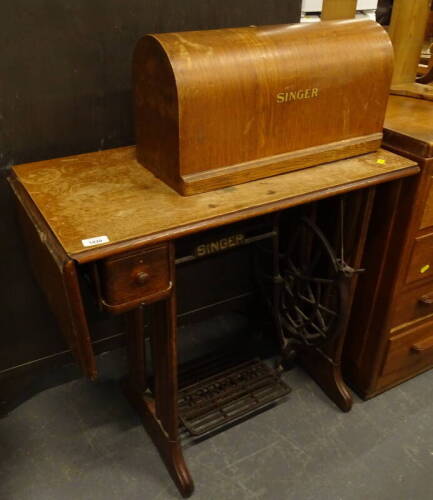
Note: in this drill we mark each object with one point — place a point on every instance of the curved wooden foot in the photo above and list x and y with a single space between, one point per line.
331 381
170 451
328 376
178 469
159 413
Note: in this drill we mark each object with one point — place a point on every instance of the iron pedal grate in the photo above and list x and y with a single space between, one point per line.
230 395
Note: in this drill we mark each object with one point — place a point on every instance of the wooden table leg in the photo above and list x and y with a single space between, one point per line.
326 371
324 365
136 348
322 360
159 413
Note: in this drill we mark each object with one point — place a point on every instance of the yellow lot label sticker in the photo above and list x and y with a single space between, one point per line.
424 268
381 161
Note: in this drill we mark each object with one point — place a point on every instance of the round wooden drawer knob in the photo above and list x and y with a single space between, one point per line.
426 300
141 278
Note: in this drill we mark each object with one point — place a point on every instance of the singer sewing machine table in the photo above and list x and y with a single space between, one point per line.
104 214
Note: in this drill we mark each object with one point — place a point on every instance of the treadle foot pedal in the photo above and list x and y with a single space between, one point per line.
233 394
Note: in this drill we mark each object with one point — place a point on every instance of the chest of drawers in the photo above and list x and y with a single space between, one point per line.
392 319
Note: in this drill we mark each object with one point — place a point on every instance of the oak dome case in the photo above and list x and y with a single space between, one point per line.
222 107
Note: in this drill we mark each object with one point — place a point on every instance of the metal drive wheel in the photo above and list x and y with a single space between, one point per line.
314 288
305 283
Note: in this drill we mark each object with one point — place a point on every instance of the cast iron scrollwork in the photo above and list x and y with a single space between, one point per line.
310 286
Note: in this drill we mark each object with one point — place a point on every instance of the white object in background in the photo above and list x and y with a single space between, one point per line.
316 5
315 18
312 5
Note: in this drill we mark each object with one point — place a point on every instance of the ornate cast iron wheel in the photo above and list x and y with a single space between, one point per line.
313 291
306 288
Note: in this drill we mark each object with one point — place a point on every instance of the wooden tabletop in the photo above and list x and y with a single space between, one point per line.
109 194
409 124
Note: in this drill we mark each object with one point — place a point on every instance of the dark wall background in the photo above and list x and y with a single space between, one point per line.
65 89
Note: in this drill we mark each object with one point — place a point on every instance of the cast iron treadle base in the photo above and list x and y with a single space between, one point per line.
230 395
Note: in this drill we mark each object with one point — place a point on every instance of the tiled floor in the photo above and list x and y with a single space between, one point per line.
81 441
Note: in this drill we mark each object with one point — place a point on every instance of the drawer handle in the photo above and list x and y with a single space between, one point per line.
141 278
426 300
422 346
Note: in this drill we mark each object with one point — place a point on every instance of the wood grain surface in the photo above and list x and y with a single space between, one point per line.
427 215
338 9
57 277
392 309
413 89
407 354
409 125
421 261
221 107
108 193
413 304
407 30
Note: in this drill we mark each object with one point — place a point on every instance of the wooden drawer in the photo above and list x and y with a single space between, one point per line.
412 305
134 277
427 216
408 354
421 262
